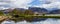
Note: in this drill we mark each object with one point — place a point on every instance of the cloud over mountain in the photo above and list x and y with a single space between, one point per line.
49 4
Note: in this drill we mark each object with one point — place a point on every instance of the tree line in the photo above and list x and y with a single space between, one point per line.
21 13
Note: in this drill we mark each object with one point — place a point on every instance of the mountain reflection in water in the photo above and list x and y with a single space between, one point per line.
47 21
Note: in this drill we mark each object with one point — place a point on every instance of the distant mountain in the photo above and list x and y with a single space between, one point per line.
57 11
50 9
9 10
19 8
38 9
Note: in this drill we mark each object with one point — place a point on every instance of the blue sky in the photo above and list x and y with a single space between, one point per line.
35 2
27 3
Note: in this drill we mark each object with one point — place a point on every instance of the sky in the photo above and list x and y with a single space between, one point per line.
48 4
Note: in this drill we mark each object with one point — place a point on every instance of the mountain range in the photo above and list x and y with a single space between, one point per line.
55 11
37 9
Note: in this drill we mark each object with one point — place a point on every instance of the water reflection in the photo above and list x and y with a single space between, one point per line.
47 21
39 19
23 22
36 19
8 22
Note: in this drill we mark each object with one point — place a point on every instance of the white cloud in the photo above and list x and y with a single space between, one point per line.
2 8
3 3
51 4
48 1
20 3
24 3
15 3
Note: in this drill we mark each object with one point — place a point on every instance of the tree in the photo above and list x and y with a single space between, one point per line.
1 13
16 12
28 12
43 14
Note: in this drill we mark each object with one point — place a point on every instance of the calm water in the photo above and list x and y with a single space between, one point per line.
47 21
